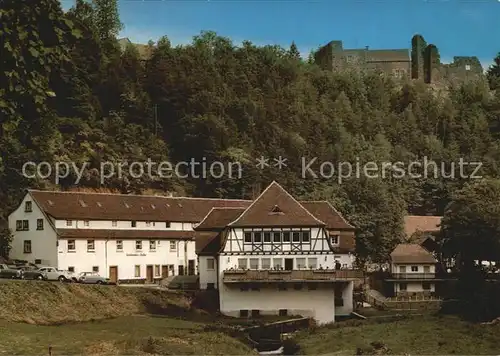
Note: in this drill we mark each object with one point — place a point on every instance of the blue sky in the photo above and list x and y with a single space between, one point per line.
457 28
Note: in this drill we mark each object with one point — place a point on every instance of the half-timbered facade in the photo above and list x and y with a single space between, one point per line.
127 238
278 256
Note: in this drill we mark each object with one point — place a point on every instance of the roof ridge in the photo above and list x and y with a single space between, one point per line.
134 195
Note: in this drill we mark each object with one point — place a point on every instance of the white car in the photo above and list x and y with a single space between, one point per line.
54 274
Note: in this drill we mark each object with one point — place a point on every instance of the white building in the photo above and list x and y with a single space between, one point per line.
278 257
127 238
413 271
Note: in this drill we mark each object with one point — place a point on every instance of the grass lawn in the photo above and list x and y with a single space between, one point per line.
419 335
124 335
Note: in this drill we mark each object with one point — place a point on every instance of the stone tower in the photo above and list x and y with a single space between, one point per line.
418 45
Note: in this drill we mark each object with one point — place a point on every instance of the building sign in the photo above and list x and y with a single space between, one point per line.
135 254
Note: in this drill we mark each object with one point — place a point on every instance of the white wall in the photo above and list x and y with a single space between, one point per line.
395 268
106 255
348 306
414 287
318 304
124 225
43 242
207 275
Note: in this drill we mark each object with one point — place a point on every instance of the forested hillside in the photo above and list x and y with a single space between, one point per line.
69 94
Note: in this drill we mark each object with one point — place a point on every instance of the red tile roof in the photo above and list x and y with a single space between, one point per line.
325 212
414 223
276 207
208 242
219 218
107 206
118 234
411 253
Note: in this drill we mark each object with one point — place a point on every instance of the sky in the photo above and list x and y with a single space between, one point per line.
456 27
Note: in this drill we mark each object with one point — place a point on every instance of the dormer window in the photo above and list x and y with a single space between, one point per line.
276 211
167 224
133 223
28 207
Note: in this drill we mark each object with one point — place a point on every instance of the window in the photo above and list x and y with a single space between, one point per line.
427 269
426 286
26 225
114 223
39 224
69 222
119 245
243 313
283 312
152 245
286 236
265 263
276 237
95 269
71 269
90 245
305 236
38 262
148 223
71 245
27 207
467 67
133 223
157 270
138 245
257 237
255 313
173 246
301 263
137 271
267 237
414 268
254 263
313 262
27 246
402 269
86 223
277 263
19 225
210 286
296 236
403 286
334 239
242 263
210 264
248 237
167 224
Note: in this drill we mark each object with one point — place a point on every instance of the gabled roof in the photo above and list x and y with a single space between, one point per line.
262 212
411 253
219 218
108 206
325 212
208 242
414 223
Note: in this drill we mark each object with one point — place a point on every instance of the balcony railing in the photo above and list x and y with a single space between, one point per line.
232 276
413 276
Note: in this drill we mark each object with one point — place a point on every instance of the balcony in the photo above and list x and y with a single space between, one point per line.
412 276
238 276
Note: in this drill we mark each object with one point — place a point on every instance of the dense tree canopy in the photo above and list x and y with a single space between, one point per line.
71 94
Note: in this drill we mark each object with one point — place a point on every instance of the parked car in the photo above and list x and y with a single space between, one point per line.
7 272
92 278
54 274
33 273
